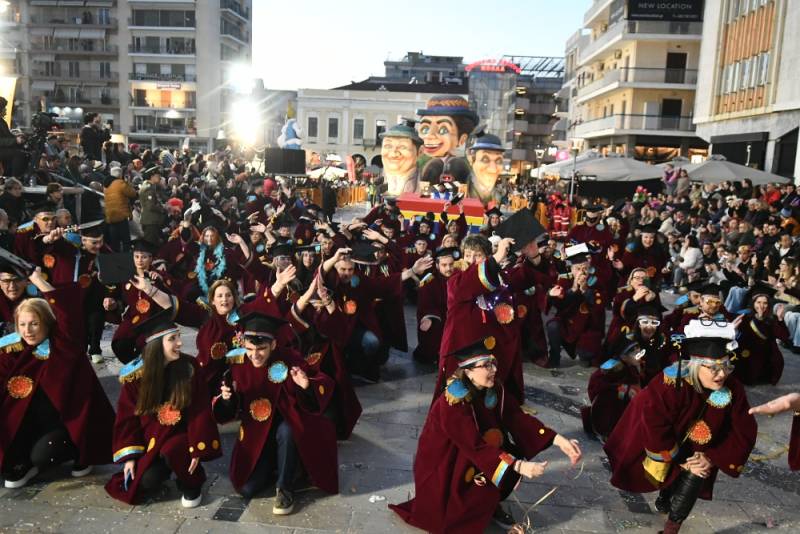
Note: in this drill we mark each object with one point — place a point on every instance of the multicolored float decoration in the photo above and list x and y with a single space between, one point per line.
412 205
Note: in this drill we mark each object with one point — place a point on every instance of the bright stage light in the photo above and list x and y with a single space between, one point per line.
240 77
245 121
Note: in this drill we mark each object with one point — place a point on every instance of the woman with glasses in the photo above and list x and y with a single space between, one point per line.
474 448
686 426
760 360
646 252
625 304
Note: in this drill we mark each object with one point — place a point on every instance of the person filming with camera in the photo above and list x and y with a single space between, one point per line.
12 156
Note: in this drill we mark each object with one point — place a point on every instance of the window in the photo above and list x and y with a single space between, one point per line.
745 74
764 71
735 76
380 127
333 127
312 127
358 129
74 69
105 69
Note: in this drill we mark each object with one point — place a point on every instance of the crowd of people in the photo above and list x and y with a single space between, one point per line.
292 310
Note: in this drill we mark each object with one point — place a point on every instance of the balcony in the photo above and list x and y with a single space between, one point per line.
172 50
184 27
635 124
597 7
162 130
81 48
642 78
86 103
149 77
235 8
644 30
80 76
152 108
71 21
234 33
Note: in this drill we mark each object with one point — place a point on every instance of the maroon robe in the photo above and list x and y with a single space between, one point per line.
28 244
431 304
794 444
581 318
584 233
646 447
65 375
465 318
610 390
759 359
214 339
390 311
257 398
463 440
651 259
529 307
178 436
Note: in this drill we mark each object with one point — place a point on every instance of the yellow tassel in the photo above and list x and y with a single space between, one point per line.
14 347
136 375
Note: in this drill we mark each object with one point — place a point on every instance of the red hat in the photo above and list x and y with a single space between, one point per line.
175 202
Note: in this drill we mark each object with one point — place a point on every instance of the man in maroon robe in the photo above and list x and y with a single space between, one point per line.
592 229
432 305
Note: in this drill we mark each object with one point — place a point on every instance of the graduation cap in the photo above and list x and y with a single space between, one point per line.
494 211
281 249
97 230
313 207
710 289
761 289
43 208
707 348
140 245
697 285
422 237
314 247
151 171
441 252
577 254
390 200
259 326
594 209
649 310
648 229
158 325
115 267
523 227
363 252
475 352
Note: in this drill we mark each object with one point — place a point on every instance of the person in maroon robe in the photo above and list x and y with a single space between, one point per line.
217 336
684 427
474 448
28 243
592 229
432 305
760 360
164 424
785 403
687 304
280 409
216 261
623 308
579 321
52 406
13 290
709 309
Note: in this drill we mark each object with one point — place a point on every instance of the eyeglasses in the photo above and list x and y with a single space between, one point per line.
725 367
649 322
717 322
712 300
488 365
47 218
9 281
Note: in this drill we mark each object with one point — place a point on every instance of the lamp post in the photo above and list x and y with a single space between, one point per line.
572 178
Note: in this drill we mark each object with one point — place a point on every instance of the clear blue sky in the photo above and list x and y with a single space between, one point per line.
323 44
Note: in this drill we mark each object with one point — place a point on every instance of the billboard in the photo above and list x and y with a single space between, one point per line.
667 10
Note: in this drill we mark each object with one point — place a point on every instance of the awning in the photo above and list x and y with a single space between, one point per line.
66 33
43 85
92 34
41 31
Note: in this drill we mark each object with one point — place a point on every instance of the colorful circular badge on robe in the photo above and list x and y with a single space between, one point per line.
218 350
48 261
350 307
494 437
19 386
84 280
651 271
277 372
522 311
167 415
313 358
504 313
142 306
490 400
260 409
720 398
700 433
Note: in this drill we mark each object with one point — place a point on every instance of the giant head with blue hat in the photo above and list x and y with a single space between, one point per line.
485 156
445 124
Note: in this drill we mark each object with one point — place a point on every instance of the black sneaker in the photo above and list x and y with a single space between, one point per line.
192 497
80 470
663 504
502 518
284 502
19 475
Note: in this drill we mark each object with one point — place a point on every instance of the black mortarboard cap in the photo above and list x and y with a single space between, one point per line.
761 288
97 230
281 249
157 325
594 208
648 229
475 352
696 285
523 227
706 347
115 267
140 245
313 247
441 252
363 252
43 207
494 211
710 289
260 325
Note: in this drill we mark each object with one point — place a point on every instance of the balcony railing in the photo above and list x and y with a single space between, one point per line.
236 33
148 77
156 129
236 7
83 75
83 102
76 20
661 123
160 26
594 9
136 103
628 28
80 48
176 50
640 75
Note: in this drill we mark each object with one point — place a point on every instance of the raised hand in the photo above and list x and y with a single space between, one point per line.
299 377
782 404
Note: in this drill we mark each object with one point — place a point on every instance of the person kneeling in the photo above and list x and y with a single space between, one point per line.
281 414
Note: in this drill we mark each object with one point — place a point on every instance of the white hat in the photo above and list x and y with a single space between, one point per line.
115 172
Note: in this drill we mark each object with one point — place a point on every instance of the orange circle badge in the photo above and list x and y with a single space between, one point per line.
522 311
651 271
168 415
504 313
313 358
700 433
260 409
350 307
583 308
48 261
142 306
19 386
84 280
218 350
493 437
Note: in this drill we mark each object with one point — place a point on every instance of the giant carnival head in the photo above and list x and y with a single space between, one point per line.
445 125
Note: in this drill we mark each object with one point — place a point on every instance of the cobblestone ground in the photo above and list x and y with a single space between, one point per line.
375 469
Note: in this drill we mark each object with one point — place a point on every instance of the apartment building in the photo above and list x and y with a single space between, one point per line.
636 77
748 99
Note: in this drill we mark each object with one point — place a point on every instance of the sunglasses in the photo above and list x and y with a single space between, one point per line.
649 322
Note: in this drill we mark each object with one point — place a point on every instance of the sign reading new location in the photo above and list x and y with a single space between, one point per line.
667 10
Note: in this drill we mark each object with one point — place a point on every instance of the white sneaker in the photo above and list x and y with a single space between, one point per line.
97 358
14 484
81 472
186 503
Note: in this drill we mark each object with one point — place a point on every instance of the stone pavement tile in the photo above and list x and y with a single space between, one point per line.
167 502
547 516
787 518
378 520
357 485
530 492
24 516
312 510
80 492
208 526
101 521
